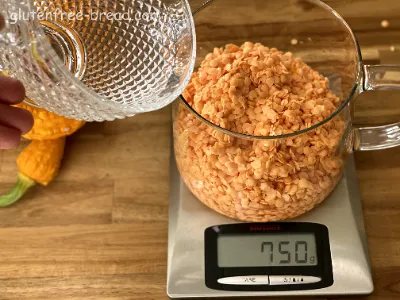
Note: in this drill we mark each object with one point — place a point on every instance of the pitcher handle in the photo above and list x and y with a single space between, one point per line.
379 77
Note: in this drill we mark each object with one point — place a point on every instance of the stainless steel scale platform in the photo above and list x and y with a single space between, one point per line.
341 213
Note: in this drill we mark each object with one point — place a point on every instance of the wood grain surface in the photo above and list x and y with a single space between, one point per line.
99 231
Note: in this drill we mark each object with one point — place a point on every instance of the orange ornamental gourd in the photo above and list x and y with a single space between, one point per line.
40 161
49 126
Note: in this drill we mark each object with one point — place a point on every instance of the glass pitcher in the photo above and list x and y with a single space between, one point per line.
252 177
98 60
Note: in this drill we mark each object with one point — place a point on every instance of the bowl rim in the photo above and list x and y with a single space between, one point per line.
356 85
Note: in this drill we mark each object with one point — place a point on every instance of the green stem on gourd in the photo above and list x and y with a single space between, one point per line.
17 191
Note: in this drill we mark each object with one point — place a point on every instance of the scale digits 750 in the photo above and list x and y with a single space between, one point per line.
267 257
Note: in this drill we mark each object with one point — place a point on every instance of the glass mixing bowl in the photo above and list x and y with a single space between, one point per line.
98 60
252 176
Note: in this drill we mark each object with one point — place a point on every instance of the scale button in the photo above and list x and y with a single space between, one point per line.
282 280
245 280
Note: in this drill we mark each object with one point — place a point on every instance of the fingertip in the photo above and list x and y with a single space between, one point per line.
28 123
12 90
18 91
15 117
2 22
10 138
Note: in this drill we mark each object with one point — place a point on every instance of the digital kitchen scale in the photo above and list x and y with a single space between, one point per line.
322 253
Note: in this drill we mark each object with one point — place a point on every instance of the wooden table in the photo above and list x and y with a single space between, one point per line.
99 231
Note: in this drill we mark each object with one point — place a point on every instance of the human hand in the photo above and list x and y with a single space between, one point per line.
14 121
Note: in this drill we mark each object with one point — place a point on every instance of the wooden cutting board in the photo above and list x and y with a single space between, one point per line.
99 231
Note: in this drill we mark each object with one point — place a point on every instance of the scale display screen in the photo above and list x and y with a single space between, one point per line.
281 256
265 250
